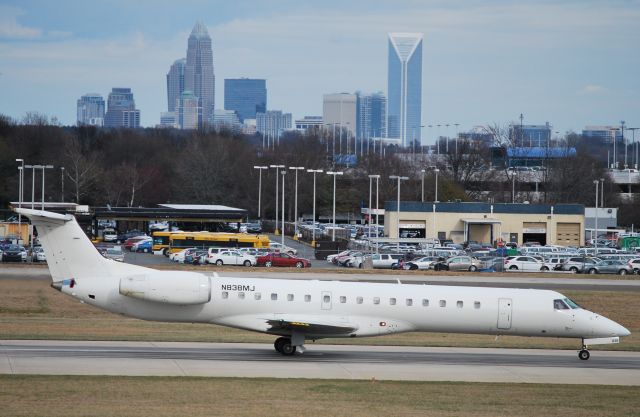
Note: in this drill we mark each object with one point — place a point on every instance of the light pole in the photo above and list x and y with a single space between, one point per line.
436 170
422 171
43 168
399 178
20 193
371 177
62 184
277 181
456 125
601 192
513 188
260 168
624 143
634 147
33 182
595 241
333 229
313 230
295 205
283 172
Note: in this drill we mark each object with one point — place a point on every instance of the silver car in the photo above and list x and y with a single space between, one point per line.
458 263
609 266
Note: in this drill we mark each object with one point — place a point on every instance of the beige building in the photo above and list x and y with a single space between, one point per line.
339 110
561 224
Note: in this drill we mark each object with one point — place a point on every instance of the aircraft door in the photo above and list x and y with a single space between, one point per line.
326 300
504 313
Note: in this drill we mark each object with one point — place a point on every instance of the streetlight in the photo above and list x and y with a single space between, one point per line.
313 230
295 205
422 192
371 177
595 241
62 184
276 167
33 182
633 145
43 168
283 172
333 229
601 192
399 178
258 167
20 185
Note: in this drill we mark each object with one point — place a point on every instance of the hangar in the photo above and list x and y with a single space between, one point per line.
560 224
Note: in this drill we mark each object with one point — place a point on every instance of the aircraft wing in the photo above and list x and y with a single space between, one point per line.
309 325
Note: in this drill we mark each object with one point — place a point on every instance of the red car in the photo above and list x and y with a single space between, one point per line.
282 259
128 244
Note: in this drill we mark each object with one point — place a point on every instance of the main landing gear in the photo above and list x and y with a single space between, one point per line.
284 346
289 345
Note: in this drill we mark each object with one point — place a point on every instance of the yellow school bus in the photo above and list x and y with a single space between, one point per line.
182 240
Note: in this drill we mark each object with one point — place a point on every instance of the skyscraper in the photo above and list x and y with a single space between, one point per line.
90 109
189 111
371 117
175 83
273 122
246 96
199 77
404 86
121 109
340 110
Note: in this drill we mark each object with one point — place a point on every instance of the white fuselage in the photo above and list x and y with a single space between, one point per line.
371 309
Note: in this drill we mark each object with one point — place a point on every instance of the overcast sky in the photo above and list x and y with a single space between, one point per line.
571 63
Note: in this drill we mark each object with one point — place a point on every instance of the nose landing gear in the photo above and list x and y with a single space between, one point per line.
584 354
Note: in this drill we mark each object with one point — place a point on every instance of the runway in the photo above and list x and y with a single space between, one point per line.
319 361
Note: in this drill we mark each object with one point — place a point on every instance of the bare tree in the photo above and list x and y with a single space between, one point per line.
82 167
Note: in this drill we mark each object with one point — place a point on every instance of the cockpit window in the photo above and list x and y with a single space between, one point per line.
571 303
560 305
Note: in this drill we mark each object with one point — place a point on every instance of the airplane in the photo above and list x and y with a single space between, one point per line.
301 310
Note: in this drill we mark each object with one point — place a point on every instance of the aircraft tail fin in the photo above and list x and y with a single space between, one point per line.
69 252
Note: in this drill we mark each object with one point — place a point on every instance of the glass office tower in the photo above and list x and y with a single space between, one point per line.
246 96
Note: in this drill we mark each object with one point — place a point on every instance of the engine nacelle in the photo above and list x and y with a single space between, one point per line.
182 288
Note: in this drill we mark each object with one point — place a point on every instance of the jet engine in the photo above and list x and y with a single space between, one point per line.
181 288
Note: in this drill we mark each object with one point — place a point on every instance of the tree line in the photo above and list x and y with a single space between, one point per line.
145 167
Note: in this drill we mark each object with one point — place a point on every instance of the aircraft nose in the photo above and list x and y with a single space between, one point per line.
622 331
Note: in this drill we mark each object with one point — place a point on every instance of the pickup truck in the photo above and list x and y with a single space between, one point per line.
385 260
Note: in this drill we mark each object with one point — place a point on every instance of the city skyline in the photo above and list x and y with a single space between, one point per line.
568 63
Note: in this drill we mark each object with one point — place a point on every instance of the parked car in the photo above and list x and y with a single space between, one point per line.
128 244
421 263
127 235
635 265
196 257
109 235
609 266
523 263
331 257
115 253
282 248
231 257
282 259
37 254
14 253
578 264
458 263
179 256
144 245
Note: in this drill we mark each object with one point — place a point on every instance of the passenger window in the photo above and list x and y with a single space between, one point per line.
241 295
307 298
343 299
560 305
392 301
225 295
476 305
326 299
289 297
359 300
459 304
257 296
443 303
409 302
425 302
376 300
274 296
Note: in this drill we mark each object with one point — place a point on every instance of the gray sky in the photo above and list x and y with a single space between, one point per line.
571 63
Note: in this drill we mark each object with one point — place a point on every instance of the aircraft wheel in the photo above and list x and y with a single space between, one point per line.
286 348
584 354
278 343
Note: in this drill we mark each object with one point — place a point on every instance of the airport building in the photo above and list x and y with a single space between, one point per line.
561 224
